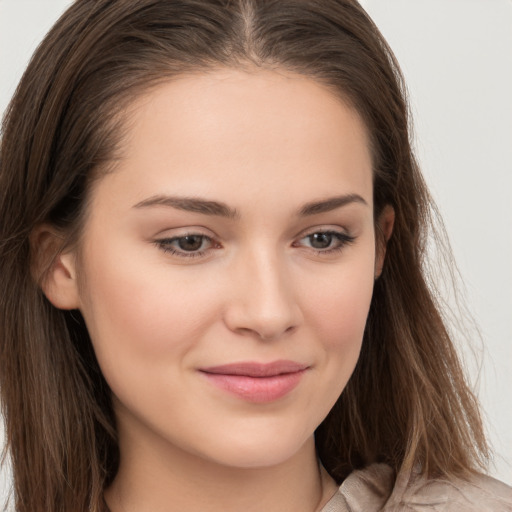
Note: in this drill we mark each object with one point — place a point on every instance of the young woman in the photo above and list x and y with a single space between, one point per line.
211 290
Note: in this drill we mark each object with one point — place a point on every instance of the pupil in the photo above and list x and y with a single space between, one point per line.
320 240
190 243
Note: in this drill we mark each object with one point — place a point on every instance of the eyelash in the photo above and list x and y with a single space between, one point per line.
343 240
165 244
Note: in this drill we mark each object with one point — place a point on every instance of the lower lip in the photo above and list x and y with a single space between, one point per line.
256 389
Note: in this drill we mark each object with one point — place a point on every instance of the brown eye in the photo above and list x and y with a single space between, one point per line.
190 242
193 245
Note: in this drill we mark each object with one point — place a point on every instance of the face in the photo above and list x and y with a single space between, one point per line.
227 264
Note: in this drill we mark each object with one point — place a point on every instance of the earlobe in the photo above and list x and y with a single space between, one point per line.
54 270
385 224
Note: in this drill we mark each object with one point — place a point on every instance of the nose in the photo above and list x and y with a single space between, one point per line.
263 302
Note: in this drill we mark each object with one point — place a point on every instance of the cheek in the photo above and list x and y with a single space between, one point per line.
343 317
337 316
140 315
338 307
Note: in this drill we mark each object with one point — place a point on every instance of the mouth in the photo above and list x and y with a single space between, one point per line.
256 382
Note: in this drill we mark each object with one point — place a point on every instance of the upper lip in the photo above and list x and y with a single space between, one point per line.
254 369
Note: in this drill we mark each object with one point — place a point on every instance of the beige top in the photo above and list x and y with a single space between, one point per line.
374 489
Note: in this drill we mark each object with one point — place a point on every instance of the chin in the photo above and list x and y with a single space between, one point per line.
256 451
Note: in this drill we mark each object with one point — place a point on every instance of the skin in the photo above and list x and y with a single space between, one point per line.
264 143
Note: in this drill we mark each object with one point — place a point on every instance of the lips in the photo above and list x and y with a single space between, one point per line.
256 382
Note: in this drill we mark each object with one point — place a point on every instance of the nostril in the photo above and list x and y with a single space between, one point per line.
267 334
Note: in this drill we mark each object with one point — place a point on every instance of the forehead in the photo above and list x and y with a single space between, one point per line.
233 132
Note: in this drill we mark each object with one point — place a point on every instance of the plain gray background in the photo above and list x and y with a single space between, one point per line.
457 59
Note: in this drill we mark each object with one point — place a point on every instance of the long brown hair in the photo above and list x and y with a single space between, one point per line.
407 403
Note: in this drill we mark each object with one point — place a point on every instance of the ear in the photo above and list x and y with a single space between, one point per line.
384 230
53 269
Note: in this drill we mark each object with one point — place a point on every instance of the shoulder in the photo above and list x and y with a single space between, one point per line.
480 493
376 489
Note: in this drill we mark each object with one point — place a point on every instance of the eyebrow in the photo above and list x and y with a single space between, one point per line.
191 204
207 207
331 203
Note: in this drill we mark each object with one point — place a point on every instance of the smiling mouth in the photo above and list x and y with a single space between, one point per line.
256 382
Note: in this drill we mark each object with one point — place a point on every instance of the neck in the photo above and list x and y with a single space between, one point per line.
156 478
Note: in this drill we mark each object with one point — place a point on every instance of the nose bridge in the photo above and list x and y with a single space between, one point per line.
264 302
